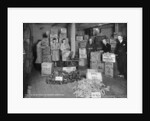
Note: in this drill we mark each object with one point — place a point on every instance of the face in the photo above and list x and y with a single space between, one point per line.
104 41
120 38
64 41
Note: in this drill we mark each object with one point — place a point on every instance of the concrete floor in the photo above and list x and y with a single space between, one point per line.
39 88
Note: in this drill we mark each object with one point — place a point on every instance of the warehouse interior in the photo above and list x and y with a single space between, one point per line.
55 83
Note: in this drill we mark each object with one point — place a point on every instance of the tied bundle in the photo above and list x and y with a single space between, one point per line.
85 87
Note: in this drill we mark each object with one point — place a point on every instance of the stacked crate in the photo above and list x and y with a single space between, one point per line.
95 61
46 55
109 59
62 34
82 52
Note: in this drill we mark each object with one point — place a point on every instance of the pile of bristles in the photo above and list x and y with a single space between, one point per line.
85 87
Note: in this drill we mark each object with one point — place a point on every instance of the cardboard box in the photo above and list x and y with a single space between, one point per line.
109 57
93 65
46 68
80 33
82 62
79 38
86 37
109 69
62 36
101 67
83 72
63 30
94 74
82 44
96 56
97 65
46 58
54 31
82 53
53 36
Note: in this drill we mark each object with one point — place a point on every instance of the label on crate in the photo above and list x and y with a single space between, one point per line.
58 78
79 38
82 53
96 95
94 74
69 69
109 57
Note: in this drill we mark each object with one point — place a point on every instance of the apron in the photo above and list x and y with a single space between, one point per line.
65 51
39 53
55 51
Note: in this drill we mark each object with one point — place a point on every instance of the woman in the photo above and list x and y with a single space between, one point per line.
65 49
55 46
38 55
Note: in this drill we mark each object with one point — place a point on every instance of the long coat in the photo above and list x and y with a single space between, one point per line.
55 51
121 51
39 53
106 48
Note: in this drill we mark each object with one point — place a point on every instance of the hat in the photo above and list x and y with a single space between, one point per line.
119 34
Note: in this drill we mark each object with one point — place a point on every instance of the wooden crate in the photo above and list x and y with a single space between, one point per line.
46 68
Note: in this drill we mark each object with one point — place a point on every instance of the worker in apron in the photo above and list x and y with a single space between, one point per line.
39 55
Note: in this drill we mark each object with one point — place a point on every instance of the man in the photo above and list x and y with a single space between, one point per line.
106 46
121 53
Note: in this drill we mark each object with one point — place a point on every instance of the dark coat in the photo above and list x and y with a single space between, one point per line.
107 47
121 51
121 48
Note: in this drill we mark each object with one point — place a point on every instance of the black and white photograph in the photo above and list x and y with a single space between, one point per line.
75 60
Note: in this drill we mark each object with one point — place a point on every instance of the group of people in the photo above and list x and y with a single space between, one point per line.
58 50
120 51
